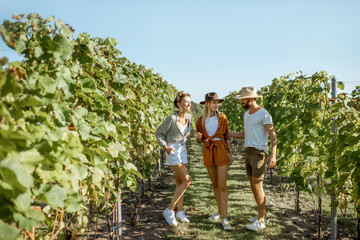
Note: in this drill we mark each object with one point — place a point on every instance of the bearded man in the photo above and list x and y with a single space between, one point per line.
258 127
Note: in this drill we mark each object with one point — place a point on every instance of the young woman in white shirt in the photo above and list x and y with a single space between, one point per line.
212 131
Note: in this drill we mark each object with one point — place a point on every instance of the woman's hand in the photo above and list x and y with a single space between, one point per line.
168 149
199 136
230 159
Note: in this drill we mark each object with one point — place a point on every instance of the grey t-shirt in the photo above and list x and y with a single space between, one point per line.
255 133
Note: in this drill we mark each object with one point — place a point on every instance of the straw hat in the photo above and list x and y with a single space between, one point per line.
212 96
248 92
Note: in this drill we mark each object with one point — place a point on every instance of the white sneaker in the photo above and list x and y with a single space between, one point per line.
180 215
214 217
226 224
253 219
256 226
170 217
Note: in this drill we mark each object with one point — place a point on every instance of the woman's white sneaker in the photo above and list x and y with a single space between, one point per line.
256 226
226 224
253 219
214 217
180 215
170 217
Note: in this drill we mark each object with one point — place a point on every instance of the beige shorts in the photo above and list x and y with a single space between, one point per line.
255 162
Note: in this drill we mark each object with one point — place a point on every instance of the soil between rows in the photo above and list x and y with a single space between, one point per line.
280 207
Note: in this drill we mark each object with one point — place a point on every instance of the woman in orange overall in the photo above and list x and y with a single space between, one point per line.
212 131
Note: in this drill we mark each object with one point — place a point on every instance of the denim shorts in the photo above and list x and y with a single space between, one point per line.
179 156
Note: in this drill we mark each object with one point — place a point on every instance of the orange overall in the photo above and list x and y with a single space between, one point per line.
215 152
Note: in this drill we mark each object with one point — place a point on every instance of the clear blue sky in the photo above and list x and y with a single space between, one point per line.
203 45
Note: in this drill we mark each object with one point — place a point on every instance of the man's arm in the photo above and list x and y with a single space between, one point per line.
273 140
237 135
229 150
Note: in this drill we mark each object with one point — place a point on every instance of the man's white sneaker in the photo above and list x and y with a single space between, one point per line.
253 219
256 226
170 217
180 215
214 217
226 224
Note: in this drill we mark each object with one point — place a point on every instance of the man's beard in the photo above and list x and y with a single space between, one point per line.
246 105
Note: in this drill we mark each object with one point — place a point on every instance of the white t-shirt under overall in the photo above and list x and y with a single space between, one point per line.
255 133
179 155
211 126
182 128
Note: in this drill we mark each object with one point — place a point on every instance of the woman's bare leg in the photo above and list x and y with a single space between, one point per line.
214 180
178 182
222 173
181 172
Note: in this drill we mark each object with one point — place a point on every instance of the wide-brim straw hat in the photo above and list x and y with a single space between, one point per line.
211 96
248 92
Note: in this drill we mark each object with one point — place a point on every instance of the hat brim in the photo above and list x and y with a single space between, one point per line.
240 97
219 100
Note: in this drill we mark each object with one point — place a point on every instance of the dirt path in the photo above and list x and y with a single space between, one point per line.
199 203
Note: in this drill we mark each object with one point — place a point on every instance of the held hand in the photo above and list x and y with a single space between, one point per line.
199 136
168 150
230 160
272 160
